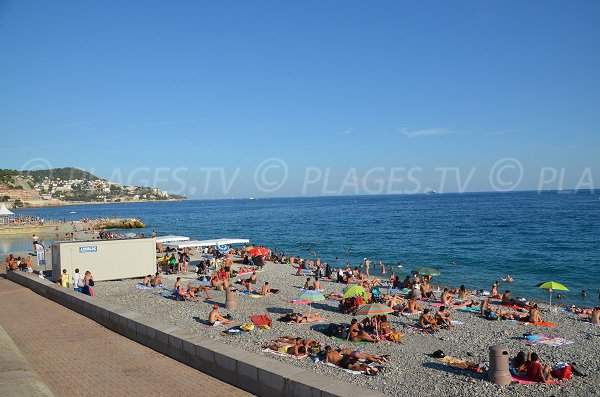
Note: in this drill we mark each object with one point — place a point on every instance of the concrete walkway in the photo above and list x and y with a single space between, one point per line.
75 356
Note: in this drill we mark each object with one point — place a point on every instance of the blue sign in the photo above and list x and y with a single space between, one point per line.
89 248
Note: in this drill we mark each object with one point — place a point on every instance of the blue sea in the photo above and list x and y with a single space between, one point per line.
534 237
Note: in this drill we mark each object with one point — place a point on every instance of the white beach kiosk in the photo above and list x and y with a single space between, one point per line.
106 259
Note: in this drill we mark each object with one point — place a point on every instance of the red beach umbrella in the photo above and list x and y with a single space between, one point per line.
259 251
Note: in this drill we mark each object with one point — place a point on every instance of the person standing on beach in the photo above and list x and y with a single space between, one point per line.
367 266
77 282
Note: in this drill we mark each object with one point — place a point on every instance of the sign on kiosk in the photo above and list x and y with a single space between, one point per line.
89 248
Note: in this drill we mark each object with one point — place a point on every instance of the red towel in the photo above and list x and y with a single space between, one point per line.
261 319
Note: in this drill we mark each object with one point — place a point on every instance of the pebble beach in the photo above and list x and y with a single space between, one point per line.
411 370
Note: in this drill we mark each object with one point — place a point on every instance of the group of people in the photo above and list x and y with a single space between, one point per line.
77 282
13 263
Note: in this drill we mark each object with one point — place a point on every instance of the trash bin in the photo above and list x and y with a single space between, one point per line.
231 299
499 372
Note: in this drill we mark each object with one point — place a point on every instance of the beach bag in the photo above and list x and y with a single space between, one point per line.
562 371
395 336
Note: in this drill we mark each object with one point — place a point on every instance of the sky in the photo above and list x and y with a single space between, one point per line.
291 98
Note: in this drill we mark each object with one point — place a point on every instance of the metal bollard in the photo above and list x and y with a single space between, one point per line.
499 372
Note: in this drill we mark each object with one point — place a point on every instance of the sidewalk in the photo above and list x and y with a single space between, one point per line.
75 356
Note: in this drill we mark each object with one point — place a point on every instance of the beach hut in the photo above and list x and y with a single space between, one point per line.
6 215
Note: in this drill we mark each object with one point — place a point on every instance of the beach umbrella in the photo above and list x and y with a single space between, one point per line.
311 295
259 251
426 271
551 286
353 290
373 309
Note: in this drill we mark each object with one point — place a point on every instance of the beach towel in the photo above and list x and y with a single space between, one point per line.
456 322
470 309
417 313
514 307
233 331
362 342
459 363
418 328
343 369
549 341
438 304
141 286
260 320
285 354
256 296
538 324
525 381
299 301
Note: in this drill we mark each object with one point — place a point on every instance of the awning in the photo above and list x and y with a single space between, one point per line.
206 243
167 239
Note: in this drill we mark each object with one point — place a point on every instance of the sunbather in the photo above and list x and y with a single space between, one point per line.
334 357
305 318
428 321
411 306
443 318
156 281
291 349
536 372
356 334
215 319
360 355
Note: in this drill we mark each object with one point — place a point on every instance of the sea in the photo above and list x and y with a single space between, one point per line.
472 238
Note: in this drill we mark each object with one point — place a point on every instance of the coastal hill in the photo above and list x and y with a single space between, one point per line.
60 186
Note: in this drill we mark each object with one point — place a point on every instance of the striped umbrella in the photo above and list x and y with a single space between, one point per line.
373 309
311 295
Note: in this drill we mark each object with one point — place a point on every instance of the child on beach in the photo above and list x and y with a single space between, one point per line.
64 279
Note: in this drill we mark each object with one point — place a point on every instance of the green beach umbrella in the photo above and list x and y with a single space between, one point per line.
552 285
311 296
353 290
426 271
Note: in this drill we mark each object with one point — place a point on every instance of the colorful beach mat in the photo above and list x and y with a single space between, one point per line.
549 341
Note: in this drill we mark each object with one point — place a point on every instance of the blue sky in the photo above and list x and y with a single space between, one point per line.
160 92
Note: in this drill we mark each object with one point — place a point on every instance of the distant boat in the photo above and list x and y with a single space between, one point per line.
430 191
73 212
251 198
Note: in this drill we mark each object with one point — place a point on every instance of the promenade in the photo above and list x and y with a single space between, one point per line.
75 356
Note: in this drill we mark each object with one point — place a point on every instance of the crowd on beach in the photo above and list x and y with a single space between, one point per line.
403 296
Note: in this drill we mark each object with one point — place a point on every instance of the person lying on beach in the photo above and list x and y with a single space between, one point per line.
443 318
147 280
411 307
334 296
307 343
536 372
393 301
360 355
156 281
215 319
304 318
426 320
415 292
356 334
291 349
334 357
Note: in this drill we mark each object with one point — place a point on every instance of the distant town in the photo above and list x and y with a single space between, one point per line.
60 186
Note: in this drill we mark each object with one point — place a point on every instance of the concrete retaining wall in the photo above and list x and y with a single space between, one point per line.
257 374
